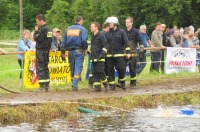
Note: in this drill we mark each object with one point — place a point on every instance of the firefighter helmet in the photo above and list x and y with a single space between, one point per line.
112 20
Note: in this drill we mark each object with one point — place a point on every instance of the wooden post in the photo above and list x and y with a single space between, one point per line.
21 17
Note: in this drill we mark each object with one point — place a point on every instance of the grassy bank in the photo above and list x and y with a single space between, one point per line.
48 111
10 70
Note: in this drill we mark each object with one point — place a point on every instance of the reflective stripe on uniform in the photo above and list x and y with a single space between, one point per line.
133 78
118 55
44 80
104 49
123 79
90 75
76 76
108 55
113 82
103 81
95 60
128 48
134 55
96 83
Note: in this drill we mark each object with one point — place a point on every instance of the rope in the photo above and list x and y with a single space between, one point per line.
15 92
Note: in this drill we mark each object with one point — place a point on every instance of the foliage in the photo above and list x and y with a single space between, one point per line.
61 13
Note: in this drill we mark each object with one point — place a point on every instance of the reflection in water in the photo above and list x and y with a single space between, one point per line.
139 120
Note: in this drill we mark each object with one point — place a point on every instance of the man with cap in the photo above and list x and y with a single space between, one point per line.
55 45
118 49
156 40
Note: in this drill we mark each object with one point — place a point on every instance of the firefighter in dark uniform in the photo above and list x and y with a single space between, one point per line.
115 57
105 28
134 41
99 47
43 38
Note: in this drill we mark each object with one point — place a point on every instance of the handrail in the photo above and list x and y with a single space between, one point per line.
150 48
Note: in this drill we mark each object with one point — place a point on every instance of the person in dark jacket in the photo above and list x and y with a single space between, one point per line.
99 47
105 28
43 38
134 41
115 57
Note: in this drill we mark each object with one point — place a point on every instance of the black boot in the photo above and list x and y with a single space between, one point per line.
106 85
133 83
47 87
42 87
97 88
112 87
90 82
122 85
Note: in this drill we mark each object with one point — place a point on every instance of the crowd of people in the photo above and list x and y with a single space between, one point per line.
110 49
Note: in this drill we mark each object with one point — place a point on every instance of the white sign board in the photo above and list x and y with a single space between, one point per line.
180 60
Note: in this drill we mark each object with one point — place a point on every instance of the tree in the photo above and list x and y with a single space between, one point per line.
60 15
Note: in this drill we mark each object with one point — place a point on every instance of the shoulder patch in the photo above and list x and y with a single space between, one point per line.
73 32
49 34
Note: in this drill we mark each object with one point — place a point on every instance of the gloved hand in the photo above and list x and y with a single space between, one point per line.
63 56
102 55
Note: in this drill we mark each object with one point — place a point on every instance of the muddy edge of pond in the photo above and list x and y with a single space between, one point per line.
36 112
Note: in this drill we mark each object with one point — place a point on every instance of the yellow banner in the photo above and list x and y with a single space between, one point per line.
59 71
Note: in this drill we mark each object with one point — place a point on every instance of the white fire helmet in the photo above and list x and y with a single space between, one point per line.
112 20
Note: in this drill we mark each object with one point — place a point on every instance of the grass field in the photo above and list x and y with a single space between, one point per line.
9 75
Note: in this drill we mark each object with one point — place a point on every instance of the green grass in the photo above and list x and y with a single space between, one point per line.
6 34
10 70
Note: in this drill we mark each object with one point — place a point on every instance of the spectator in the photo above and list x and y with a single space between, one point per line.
33 42
197 34
167 32
192 42
43 38
118 45
156 40
75 40
172 30
55 46
164 43
175 39
24 44
191 28
145 41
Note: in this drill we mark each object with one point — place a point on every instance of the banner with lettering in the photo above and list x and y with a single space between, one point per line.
59 70
180 60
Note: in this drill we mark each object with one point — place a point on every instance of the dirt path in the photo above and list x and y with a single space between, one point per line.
172 86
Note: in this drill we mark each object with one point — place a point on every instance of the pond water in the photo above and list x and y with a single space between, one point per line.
139 120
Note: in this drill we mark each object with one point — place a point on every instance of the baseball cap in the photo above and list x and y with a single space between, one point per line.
56 30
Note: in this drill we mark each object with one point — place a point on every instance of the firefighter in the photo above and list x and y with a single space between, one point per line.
105 28
75 41
115 57
134 41
43 38
99 47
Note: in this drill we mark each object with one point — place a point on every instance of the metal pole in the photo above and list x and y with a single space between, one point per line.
21 17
